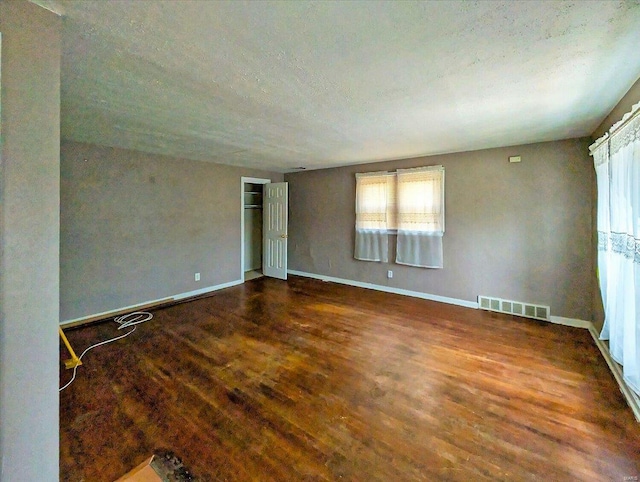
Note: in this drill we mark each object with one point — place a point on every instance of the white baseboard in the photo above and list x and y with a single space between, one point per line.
181 296
630 396
576 323
209 289
632 399
558 320
388 289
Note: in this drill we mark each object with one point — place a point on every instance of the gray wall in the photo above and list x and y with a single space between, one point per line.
516 231
135 227
29 240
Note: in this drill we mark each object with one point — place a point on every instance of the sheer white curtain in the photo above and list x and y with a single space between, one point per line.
600 155
617 163
375 212
420 219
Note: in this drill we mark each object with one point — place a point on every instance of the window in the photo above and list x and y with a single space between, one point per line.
409 202
421 200
375 201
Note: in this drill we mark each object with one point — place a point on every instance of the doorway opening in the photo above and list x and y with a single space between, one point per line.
251 228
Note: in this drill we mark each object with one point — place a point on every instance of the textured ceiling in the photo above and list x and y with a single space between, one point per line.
318 84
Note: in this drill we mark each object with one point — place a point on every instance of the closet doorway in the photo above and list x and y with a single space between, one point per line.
251 227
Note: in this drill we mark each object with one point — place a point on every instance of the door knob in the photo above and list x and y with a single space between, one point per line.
284 236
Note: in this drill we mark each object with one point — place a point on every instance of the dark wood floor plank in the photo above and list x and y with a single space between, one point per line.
306 380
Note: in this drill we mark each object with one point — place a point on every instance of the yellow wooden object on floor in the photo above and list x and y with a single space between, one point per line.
74 361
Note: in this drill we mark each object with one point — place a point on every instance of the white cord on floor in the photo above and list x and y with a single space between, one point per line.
125 321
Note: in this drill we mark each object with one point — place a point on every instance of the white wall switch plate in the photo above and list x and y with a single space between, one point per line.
389 274
197 276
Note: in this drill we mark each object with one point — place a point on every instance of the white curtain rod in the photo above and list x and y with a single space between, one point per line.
382 173
628 117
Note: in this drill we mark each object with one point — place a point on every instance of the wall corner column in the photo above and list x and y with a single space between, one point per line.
29 241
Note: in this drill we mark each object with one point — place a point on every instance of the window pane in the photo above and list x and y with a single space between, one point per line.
420 200
373 197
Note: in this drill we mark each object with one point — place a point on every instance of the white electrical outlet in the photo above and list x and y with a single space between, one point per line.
389 274
197 276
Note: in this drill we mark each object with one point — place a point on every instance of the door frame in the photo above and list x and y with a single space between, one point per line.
243 181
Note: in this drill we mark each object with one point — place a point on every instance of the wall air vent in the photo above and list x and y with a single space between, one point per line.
528 310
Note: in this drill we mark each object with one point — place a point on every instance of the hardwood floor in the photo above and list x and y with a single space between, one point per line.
305 380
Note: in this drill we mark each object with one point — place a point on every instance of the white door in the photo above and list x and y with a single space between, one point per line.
274 217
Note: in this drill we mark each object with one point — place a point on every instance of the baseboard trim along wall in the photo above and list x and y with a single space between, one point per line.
147 304
630 396
632 399
388 289
576 323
